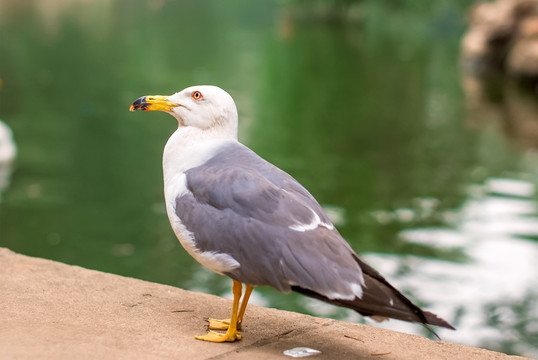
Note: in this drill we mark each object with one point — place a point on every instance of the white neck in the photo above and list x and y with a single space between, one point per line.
189 147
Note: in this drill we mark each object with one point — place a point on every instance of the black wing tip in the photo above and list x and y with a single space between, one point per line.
432 319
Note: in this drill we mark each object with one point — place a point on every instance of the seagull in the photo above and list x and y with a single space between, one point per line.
8 151
240 216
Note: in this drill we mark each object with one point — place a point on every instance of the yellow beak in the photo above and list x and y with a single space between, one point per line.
153 103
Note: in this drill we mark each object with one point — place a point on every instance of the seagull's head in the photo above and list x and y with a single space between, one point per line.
203 106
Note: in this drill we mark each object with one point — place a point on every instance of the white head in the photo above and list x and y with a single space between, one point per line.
205 107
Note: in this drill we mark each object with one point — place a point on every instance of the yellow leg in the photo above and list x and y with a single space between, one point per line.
248 291
215 324
231 334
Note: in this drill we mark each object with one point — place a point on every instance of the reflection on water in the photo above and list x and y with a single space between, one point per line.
496 283
496 101
369 117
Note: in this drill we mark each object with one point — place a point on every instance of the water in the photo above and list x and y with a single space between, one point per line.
424 174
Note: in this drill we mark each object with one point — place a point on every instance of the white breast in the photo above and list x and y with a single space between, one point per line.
182 152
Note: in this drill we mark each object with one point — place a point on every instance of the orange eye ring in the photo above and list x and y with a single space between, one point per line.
196 95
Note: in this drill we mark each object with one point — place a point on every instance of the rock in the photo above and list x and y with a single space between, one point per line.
502 36
522 60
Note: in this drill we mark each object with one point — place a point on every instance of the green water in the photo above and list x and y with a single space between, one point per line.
369 114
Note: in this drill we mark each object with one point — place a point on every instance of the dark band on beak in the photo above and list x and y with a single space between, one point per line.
153 103
139 104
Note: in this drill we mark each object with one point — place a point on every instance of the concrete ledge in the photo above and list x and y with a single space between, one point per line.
51 310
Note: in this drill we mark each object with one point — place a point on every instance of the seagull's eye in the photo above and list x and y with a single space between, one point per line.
196 95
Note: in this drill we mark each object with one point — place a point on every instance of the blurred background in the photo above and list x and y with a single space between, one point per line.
409 120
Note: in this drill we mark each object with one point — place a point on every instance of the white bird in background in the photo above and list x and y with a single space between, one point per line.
8 151
243 217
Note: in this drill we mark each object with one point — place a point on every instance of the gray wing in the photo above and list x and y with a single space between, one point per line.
239 204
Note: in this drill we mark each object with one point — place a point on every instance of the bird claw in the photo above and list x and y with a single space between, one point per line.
213 336
216 324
